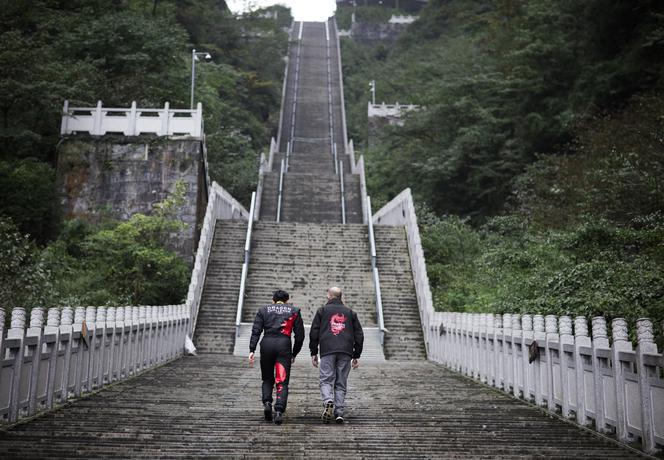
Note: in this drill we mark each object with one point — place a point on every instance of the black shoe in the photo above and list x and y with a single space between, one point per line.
339 419
278 418
327 412
267 410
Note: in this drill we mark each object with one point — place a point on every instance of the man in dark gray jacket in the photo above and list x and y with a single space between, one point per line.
338 332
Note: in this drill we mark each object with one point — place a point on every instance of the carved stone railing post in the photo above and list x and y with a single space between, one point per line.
497 350
526 340
32 356
51 339
647 359
483 348
582 365
92 350
540 373
567 369
108 374
621 348
508 379
517 350
552 355
80 376
601 369
13 351
490 332
64 354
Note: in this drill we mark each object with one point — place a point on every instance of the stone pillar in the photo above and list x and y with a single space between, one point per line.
517 352
582 346
52 335
566 353
541 375
621 344
646 360
526 340
552 348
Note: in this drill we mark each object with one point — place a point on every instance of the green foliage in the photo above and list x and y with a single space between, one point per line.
120 262
24 277
502 81
27 197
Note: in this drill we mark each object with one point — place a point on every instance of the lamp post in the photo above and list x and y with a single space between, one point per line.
194 57
372 86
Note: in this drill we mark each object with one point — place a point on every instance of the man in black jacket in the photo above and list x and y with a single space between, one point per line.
339 333
278 320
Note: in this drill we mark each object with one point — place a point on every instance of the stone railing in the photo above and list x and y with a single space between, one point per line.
221 206
341 85
80 350
402 19
133 121
401 211
555 363
389 110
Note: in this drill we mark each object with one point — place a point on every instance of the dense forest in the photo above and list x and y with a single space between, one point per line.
537 158
118 52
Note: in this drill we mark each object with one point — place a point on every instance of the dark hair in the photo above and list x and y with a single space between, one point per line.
280 296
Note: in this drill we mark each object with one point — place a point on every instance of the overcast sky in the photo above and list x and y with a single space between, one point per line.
303 10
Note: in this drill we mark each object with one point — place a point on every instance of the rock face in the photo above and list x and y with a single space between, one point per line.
118 176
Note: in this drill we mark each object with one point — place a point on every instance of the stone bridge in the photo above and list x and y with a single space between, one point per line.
430 385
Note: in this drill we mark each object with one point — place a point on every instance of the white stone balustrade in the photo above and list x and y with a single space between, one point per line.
390 110
611 387
80 350
133 121
580 375
221 206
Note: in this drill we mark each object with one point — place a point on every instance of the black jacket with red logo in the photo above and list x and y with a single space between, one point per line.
278 320
337 330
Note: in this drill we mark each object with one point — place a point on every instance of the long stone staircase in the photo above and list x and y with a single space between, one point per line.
208 406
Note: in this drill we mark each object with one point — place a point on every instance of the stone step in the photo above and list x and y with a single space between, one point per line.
405 339
209 407
372 350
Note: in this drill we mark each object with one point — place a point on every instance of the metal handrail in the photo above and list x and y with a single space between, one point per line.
245 265
343 193
281 187
336 161
376 277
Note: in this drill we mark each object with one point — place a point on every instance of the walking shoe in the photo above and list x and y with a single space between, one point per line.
327 412
339 419
267 410
278 418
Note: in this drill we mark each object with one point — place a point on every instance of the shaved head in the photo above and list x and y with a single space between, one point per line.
334 293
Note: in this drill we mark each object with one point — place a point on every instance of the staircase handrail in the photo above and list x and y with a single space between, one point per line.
343 192
221 206
376 277
341 87
281 187
245 264
401 211
283 90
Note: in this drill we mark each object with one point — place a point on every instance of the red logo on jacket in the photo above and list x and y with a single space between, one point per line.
337 323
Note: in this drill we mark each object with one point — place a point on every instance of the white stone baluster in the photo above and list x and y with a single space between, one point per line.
33 343
602 372
647 359
506 361
540 373
582 364
552 356
517 352
621 345
13 352
497 350
93 349
527 368
52 339
567 376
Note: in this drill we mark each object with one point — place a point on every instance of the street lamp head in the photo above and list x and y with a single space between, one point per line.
208 57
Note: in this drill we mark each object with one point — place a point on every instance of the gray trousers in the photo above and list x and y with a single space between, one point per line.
334 370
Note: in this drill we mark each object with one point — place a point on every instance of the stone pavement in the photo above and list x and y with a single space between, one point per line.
209 407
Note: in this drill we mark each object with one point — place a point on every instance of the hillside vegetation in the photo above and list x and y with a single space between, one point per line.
121 51
538 159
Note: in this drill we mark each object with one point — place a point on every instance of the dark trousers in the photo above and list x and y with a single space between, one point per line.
276 357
